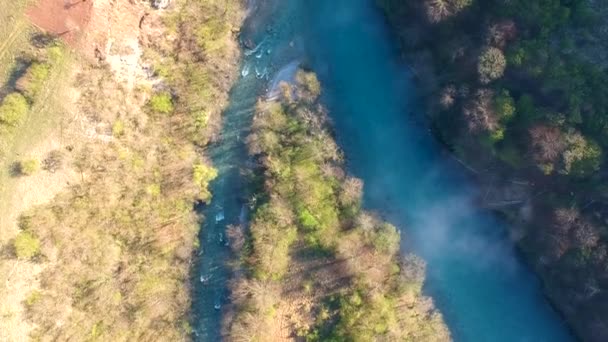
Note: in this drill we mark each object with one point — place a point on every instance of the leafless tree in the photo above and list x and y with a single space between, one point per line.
479 112
547 143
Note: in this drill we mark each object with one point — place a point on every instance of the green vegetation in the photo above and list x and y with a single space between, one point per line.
26 245
161 103
118 128
318 263
15 106
202 62
13 109
33 80
28 167
532 107
202 175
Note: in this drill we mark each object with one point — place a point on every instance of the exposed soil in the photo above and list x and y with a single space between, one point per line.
64 18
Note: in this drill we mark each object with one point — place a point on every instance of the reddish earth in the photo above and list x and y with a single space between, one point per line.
64 18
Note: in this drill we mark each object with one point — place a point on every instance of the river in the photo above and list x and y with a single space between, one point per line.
474 275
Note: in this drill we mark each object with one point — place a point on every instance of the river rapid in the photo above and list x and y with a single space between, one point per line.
477 281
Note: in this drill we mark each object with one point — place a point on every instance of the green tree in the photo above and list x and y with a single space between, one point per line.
32 82
582 157
202 175
26 245
504 105
161 103
14 107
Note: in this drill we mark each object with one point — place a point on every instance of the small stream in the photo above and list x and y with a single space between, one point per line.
477 281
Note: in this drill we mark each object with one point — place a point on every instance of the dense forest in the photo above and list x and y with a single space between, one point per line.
517 90
315 265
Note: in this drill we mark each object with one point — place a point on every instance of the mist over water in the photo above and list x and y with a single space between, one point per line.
473 273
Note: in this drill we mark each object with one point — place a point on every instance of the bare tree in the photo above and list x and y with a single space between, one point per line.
547 143
479 112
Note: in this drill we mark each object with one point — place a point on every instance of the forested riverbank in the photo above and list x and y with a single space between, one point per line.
314 264
516 90
115 246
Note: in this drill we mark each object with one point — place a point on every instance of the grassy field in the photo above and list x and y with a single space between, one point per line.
31 136
14 35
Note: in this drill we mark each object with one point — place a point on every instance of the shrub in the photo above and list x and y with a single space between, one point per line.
504 105
161 103
118 128
491 66
202 175
309 86
213 35
28 167
32 82
386 239
26 245
33 298
582 157
53 161
14 107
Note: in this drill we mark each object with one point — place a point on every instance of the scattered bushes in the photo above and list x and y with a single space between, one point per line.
120 242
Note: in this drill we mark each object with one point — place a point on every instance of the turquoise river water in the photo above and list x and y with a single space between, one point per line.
473 273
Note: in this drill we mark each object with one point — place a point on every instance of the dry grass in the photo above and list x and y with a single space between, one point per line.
37 135
44 127
14 34
115 223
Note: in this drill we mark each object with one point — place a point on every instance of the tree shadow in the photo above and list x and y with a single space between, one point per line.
21 65
42 40
14 170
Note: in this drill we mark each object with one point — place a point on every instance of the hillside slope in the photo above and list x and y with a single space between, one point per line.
102 132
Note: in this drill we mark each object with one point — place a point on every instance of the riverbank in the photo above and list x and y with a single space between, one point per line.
114 246
537 158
